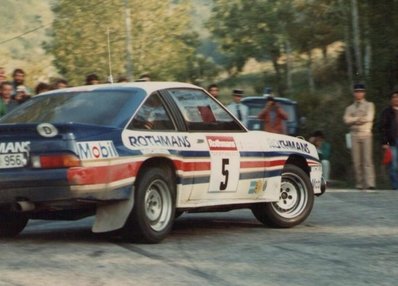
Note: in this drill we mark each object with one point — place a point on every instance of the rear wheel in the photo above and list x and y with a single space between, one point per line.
295 203
11 224
153 213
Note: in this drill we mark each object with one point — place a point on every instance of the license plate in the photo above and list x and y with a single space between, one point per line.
14 160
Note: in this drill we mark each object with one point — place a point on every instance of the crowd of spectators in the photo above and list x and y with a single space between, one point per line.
14 91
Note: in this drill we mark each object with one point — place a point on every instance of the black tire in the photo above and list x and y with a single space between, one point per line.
11 224
295 202
153 213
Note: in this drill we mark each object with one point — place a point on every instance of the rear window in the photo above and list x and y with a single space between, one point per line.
109 108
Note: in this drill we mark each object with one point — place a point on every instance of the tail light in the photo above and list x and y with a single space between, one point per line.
53 161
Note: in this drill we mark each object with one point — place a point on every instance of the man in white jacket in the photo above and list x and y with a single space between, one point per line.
359 117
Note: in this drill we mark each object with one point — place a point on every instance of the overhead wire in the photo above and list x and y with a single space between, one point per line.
24 33
96 5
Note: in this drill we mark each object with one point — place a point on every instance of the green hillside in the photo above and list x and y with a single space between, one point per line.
18 17
34 17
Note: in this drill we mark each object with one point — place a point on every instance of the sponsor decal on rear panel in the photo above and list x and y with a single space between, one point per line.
97 150
14 147
13 154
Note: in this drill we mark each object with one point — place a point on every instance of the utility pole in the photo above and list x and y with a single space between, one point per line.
357 39
129 46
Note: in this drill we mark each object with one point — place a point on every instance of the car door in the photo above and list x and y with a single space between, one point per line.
217 138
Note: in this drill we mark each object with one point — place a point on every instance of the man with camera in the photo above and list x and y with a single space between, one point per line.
274 117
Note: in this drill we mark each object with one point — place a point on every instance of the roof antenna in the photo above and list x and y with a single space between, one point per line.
110 78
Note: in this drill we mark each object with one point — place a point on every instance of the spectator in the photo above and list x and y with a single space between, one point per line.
323 147
144 77
359 117
238 109
60 83
2 75
18 78
213 90
7 103
92 79
274 117
22 94
122 79
389 136
41 87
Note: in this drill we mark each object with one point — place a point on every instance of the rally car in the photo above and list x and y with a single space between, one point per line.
137 155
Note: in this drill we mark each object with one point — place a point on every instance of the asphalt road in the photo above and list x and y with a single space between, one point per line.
351 238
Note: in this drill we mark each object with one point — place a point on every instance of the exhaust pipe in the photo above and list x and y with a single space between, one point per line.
24 206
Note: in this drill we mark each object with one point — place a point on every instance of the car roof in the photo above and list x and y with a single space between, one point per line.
149 86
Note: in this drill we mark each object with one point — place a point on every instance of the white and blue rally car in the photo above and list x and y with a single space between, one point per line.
137 155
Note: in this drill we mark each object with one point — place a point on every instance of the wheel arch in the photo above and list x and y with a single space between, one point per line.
300 162
160 162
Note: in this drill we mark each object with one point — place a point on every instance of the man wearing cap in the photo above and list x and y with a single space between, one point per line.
274 117
359 117
238 109
22 94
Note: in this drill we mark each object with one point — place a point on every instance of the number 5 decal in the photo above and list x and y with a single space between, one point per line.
225 164
225 173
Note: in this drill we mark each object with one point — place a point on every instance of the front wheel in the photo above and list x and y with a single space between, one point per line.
295 203
153 213
11 224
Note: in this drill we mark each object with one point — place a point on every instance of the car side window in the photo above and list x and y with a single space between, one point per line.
152 115
201 112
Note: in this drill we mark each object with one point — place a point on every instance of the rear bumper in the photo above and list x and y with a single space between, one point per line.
40 186
46 194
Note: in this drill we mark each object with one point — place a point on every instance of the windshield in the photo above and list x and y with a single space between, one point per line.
109 108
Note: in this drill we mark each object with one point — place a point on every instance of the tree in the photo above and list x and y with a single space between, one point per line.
272 30
247 29
383 23
314 25
161 38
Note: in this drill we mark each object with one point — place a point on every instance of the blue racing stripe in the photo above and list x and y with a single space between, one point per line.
205 154
193 181
260 175
252 154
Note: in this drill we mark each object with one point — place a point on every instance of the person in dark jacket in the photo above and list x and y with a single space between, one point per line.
389 136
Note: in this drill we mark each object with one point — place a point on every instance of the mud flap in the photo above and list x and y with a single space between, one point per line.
113 216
